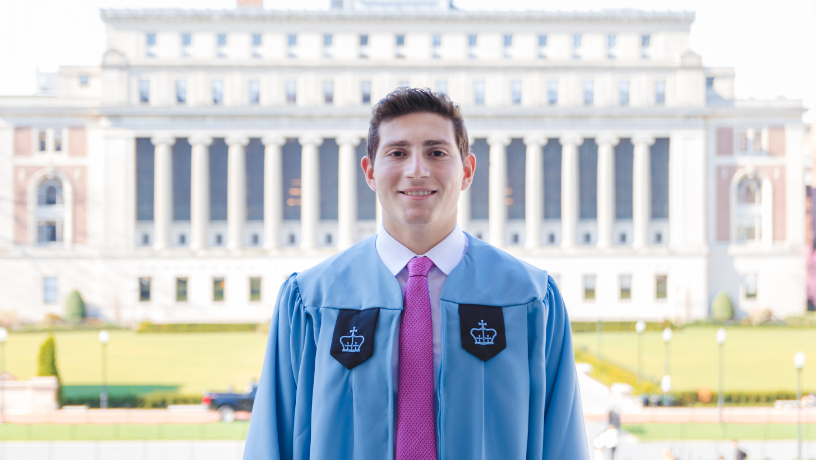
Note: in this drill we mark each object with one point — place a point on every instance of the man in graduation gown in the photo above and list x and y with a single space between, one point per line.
422 342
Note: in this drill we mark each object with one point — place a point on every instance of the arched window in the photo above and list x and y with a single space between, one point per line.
749 210
50 213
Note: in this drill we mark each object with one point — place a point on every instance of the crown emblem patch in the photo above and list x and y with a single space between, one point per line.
482 330
352 343
483 336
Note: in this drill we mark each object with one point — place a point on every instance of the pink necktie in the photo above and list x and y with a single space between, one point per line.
416 434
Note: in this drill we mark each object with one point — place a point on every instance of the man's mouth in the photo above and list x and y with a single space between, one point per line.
419 192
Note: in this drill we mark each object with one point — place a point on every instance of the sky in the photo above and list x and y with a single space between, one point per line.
771 45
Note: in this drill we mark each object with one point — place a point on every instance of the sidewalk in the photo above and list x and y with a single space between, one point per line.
711 415
122 450
191 415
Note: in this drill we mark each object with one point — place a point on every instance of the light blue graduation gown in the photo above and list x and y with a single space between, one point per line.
523 403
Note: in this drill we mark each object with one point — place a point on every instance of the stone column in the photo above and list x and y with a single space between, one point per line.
347 170
273 190
199 191
534 191
310 191
497 203
162 191
569 189
641 190
606 188
236 191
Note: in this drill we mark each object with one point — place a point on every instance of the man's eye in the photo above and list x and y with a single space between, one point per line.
397 153
438 153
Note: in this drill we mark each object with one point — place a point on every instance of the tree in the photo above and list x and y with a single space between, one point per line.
47 363
74 307
721 308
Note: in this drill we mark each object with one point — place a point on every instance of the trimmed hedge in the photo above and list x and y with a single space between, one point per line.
194 327
618 326
74 307
721 308
736 398
608 373
158 400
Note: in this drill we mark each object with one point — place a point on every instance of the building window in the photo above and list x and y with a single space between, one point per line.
576 40
257 39
515 90
661 287
291 92
611 40
749 210
709 82
328 92
254 289
50 289
645 41
58 140
291 40
589 287
186 39
400 40
442 86
363 40
181 289
150 39
41 140
48 232
254 88
623 93
181 91
144 289
49 212
328 39
365 90
479 92
660 92
542 40
749 283
625 287
50 193
436 40
589 92
144 91
508 40
221 40
217 92
218 289
83 80
472 40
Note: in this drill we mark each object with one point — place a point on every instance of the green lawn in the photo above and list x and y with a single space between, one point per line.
713 431
756 359
130 432
185 362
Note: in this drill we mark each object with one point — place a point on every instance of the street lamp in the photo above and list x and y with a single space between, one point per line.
721 336
103 398
667 336
3 337
665 385
640 327
799 363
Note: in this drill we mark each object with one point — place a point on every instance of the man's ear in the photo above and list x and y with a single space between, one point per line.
368 170
468 167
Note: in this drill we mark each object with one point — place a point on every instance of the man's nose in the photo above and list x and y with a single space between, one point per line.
416 166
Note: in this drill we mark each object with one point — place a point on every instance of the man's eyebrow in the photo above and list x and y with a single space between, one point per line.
432 142
402 143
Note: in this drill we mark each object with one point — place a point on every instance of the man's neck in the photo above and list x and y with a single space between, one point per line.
419 238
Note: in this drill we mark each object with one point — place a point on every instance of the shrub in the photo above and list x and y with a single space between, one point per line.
156 400
608 373
182 327
74 307
47 363
721 308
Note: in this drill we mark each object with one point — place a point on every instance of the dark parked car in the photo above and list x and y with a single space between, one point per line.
227 403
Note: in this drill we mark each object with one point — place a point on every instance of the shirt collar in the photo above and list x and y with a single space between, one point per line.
445 255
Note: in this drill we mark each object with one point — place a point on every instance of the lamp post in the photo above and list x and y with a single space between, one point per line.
640 327
667 336
720 396
3 337
799 363
598 332
665 385
103 398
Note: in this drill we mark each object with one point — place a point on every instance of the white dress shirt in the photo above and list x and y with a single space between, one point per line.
446 256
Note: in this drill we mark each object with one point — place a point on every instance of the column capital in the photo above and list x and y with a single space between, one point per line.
163 140
571 139
206 141
273 139
310 139
535 139
243 141
501 139
349 139
607 139
643 138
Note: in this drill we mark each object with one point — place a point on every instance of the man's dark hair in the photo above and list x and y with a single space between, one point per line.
405 101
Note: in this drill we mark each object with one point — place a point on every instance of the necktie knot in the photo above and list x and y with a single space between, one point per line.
419 266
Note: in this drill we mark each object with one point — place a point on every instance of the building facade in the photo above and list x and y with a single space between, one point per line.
213 153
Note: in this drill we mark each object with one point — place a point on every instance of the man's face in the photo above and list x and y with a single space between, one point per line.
418 171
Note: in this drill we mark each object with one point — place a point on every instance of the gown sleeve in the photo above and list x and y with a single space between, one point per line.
564 434
271 427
